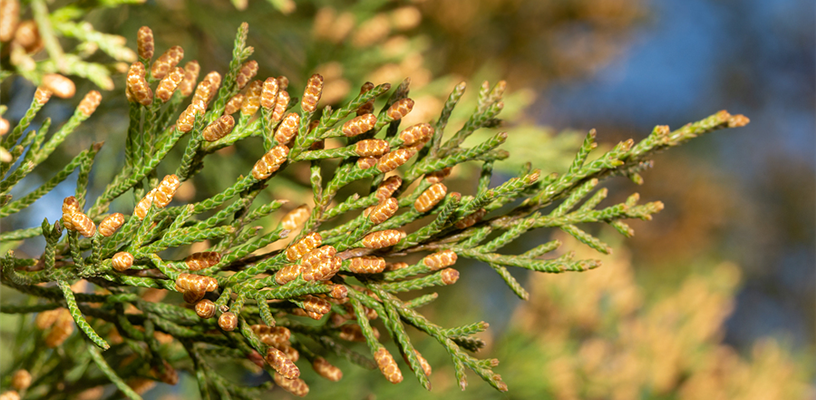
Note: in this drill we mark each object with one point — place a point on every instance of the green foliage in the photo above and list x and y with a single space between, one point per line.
45 32
254 282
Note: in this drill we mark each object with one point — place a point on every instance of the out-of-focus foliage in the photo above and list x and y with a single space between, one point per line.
530 42
38 42
604 335
760 58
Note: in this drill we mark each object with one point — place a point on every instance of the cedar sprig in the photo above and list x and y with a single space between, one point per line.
249 295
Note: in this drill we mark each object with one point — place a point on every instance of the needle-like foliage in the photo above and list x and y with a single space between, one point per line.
349 260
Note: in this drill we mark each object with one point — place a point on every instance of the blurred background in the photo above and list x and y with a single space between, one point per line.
714 298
